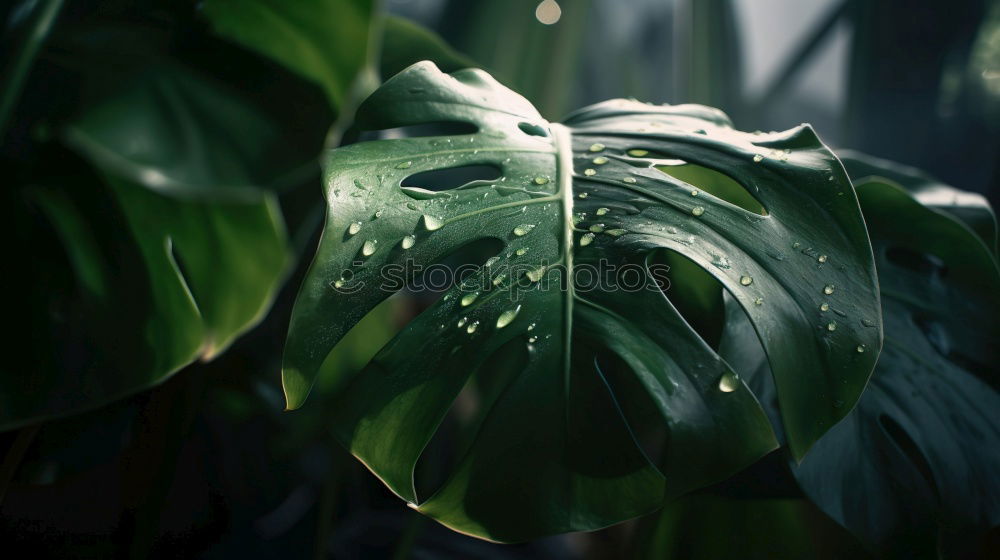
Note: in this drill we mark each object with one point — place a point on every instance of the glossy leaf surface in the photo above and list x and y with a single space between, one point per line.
919 452
546 355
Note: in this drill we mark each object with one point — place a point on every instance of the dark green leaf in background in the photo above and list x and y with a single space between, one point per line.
916 460
326 41
555 448
180 134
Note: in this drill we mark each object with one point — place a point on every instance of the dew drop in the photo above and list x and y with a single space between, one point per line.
828 289
582 195
507 317
541 180
720 261
596 147
831 326
694 192
860 348
597 228
404 165
729 382
408 241
472 327
498 280
339 283
536 274
532 339
431 223
531 327
369 248
758 301
492 261
586 239
523 229
467 299
462 322
601 211
520 252
746 280
758 158
868 322
824 306
697 210
821 258
796 245
629 180
354 228
590 172
635 152
616 232
600 160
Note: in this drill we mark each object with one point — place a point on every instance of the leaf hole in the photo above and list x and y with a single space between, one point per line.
457 432
533 129
422 130
642 416
715 183
691 289
437 180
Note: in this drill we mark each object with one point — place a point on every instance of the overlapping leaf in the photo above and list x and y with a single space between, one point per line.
916 458
589 402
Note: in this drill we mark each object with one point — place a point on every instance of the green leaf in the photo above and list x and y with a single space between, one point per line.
326 41
405 42
180 134
922 448
971 208
920 451
556 446
153 283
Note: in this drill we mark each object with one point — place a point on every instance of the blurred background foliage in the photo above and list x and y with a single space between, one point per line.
163 199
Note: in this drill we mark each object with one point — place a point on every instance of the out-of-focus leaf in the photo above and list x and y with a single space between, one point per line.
555 447
150 283
919 454
180 134
710 527
326 41
971 208
405 42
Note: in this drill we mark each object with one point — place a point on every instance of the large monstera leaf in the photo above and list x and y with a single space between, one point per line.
922 449
569 377
917 458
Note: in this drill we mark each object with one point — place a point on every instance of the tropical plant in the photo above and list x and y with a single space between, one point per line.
568 375
522 327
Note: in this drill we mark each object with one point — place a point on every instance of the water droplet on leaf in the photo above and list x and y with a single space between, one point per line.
523 229
729 382
507 317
